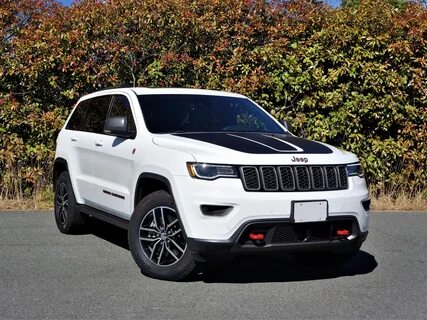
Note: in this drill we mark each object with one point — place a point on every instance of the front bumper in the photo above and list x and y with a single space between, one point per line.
190 194
280 237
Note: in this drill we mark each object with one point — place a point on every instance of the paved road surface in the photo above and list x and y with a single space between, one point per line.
44 274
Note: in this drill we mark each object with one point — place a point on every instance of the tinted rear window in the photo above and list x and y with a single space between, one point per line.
96 114
90 115
77 119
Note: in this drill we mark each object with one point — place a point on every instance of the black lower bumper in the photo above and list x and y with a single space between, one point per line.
207 250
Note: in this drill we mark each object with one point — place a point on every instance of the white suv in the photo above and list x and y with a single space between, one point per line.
198 175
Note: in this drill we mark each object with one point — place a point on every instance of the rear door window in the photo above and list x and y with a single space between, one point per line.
96 114
77 119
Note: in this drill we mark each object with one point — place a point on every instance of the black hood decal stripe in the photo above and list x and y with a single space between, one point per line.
280 146
284 141
259 143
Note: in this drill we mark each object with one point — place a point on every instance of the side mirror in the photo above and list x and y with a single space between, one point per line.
286 124
117 126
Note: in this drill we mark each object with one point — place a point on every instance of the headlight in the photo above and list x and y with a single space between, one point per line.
355 169
211 171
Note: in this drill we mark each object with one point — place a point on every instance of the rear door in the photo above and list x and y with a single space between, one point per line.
79 158
90 144
113 163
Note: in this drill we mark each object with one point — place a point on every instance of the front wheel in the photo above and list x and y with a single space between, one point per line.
157 240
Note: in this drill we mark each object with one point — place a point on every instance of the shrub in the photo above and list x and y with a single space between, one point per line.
354 76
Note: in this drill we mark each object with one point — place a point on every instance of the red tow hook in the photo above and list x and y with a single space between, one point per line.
342 232
256 236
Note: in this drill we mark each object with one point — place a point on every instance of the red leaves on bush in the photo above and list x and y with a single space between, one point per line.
355 77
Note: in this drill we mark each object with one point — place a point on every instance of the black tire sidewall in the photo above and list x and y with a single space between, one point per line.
177 271
74 218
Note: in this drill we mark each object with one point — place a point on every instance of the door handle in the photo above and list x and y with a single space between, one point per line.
74 139
99 143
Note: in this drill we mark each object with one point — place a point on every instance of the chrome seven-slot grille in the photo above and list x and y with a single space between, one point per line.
294 178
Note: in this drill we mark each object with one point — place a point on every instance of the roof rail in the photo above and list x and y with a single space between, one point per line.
121 86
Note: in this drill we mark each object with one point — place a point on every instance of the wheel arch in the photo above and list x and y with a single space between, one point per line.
149 182
60 165
159 180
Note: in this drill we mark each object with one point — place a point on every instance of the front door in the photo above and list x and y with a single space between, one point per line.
112 163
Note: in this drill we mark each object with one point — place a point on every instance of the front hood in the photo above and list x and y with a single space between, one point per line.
253 148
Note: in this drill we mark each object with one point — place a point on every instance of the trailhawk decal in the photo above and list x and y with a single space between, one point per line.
251 142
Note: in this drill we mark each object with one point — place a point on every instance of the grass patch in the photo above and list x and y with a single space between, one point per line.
40 201
400 201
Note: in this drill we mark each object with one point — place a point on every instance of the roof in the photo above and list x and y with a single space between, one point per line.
146 91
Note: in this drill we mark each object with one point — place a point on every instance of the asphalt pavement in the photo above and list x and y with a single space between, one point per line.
45 274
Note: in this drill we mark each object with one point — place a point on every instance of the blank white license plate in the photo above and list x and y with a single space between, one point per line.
310 211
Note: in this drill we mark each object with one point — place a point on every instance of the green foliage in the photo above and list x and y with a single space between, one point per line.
398 4
354 76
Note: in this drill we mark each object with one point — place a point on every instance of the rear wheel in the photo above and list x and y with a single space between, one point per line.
68 219
157 240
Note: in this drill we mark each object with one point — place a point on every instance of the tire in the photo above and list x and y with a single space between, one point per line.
68 219
157 239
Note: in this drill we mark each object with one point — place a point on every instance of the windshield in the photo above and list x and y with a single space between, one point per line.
171 113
